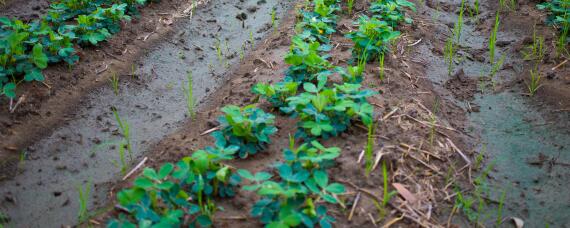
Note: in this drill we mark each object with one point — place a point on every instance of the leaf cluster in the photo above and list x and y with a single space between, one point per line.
248 129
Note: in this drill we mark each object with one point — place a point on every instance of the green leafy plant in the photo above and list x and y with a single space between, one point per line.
352 74
325 112
392 11
372 37
449 54
162 198
248 128
291 198
305 60
277 93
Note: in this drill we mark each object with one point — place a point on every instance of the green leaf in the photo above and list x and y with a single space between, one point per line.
262 176
150 173
143 182
310 87
34 75
223 173
10 90
165 170
321 178
245 174
38 56
335 188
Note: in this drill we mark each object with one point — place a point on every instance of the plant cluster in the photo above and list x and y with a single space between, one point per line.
163 198
392 11
27 48
372 38
247 129
291 199
325 112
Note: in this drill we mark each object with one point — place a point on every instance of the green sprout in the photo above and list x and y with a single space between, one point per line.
493 39
83 199
534 81
115 83
382 67
125 131
189 95
349 4
369 149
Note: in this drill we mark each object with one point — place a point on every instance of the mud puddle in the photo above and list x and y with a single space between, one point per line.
526 146
80 152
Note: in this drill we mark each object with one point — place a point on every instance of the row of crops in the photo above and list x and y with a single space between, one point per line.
298 194
27 48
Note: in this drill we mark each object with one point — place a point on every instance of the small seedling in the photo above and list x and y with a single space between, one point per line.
83 199
500 209
382 67
387 195
251 40
115 83
125 131
349 5
369 149
457 29
219 53
536 50
189 95
476 7
449 54
123 163
534 81
274 19
493 40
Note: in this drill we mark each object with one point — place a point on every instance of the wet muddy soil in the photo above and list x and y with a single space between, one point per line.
84 150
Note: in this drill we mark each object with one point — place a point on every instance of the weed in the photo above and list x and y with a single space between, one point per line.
115 83
125 131
387 195
493 39
242 52
536 50
382 67
274 19
457 29
480 157
449 54
349 5
189 95
251 40
500 209
476 7
496 67
219 53
368 156
123 163
83 199
534 83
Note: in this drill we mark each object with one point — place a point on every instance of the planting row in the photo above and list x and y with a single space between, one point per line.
298 192
27 48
